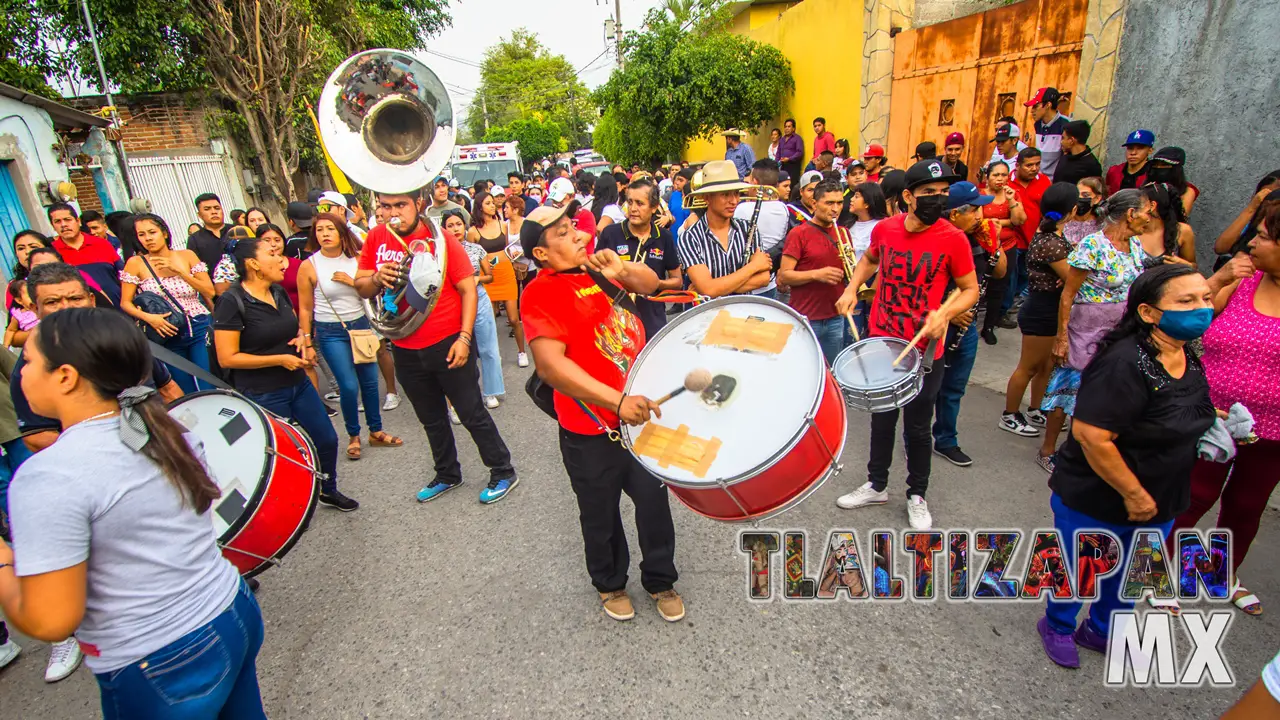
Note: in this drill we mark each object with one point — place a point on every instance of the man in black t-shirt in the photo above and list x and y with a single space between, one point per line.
300 216
640 240
1078 161
207 242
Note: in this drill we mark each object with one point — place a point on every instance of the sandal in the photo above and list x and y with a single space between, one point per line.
1169 605
1245 600
353 448
382 439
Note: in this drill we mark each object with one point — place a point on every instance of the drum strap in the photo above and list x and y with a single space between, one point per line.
169 357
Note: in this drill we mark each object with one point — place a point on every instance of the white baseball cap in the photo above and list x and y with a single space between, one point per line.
335 198
560 189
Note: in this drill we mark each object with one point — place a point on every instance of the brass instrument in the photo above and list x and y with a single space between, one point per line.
387 122
849 258
751 194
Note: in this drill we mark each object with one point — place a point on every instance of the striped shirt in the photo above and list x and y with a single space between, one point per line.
700 246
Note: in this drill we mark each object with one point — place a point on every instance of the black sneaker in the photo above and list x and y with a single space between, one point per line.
989 336
954 455
1037 418
338 501
252 583
333 411
1015 423
1007 323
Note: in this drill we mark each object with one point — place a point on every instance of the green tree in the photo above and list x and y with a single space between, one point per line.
679 84
520 77
538 137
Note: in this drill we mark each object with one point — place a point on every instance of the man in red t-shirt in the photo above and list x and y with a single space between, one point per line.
435 362
94 256
916 254
812 267
584 342
1029 185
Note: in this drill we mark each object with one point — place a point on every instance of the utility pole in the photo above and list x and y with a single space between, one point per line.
617 17
106 91
484 108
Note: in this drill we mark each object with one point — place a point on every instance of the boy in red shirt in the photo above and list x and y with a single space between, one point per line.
812 268
584 342
435 362
1029 185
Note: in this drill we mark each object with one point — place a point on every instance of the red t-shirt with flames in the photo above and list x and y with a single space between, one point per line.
602 338
380 248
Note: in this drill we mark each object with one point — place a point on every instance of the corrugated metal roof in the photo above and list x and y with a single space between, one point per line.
64 117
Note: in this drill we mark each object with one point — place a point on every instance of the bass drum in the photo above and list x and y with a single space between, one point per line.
266 470
766 433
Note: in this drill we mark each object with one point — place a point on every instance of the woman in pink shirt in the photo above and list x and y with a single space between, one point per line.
1242 363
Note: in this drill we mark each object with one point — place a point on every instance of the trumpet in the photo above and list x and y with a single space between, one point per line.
751 194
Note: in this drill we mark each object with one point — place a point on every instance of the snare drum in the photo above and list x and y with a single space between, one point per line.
869 379
266 470
766 434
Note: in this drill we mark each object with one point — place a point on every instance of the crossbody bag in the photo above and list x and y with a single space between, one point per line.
154 304
364 344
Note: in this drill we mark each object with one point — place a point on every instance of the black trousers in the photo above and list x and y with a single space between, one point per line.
997 288
600 470
793 168
917 419
427 381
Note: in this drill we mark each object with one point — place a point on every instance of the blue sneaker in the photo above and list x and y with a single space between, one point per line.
435 490
498 489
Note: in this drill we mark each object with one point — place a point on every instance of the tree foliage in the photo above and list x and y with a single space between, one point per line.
679 84
538 137
520 78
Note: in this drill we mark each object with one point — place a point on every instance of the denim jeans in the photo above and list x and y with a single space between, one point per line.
959 365
771 293
194 347
15 453
301 403
355 382
486 335
209 673
1062 613
1017 276
831 336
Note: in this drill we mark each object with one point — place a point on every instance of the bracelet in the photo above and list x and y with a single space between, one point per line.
618 411
8 565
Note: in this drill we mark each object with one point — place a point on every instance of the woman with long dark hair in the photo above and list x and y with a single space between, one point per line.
1235 238
256 217
1143 405
179 278
490 232
605 207
23 243
486 327
124 556
1168 234
1006 210
257 338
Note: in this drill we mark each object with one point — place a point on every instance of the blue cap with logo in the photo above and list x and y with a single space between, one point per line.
966 193
1141 137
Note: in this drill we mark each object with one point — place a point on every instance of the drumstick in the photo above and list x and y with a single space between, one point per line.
853 327
945 304
696 381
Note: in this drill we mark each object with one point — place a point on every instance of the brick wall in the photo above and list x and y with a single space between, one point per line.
157 123
86 192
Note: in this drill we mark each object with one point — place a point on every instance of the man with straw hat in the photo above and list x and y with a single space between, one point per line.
722 255
737 152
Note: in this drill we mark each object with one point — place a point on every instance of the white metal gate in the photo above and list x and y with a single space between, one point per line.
173 183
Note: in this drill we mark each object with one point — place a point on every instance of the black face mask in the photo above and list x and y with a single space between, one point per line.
929 208
1083 207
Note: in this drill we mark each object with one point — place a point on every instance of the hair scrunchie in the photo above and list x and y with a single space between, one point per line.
1053 215
133 430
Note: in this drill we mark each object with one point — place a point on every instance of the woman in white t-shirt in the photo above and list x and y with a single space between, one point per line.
125 556
868 206
605 205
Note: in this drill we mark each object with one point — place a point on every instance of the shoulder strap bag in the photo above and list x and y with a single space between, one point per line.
364 344
153 303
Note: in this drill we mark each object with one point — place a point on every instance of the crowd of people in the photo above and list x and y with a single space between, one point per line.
1123 340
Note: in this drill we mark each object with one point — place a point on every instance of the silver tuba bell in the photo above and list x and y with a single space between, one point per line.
387 122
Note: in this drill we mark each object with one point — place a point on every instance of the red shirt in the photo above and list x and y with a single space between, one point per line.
445 320
1029 195
825 141
915 269
585 222
600 337
814 247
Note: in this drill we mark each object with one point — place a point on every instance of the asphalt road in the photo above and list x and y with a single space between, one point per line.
457 610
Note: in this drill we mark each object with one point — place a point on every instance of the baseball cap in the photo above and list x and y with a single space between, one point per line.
425 277
966 193
926 150
783 176
301 213
893 183
812 176
1170 156
1141 137
498 190
873 150
1044 95
440 179
1010 131
453 183
928 171
954 138
854 163
560 189
313 195
334 198
542 217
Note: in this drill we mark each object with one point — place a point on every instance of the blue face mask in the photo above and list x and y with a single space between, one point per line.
1185 324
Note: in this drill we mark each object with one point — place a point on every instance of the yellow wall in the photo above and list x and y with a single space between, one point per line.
827 72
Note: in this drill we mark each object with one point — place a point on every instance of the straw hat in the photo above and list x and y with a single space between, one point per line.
731 132
720 176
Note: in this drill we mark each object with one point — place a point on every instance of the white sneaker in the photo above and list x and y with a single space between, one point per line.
393 402
491 402
918 513
865 495
522 359
64 658
331 396
8 651
453 416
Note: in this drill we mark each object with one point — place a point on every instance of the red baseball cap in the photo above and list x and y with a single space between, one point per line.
954 138
874 150
1043 95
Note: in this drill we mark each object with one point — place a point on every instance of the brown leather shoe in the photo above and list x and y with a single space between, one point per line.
617 605
670 605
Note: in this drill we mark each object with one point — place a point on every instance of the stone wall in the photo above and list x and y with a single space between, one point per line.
1202 75
928 12
879 19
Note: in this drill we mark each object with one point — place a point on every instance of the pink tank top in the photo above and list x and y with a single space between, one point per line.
1242 359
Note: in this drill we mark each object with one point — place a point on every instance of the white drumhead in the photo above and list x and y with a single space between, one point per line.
868 365
775 393
235 443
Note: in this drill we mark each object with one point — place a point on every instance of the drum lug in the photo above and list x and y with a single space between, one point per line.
745 514
274 562
316 473
835 461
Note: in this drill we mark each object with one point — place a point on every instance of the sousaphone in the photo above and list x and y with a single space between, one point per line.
387 122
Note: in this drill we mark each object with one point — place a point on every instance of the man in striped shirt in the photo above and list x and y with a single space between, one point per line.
716 253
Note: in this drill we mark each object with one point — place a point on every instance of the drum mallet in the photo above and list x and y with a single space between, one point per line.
853 326
696 381
945 304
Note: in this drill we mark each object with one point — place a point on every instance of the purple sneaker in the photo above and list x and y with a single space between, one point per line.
1058 646
1086 637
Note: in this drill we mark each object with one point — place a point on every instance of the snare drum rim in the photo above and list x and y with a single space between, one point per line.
914 358
820 365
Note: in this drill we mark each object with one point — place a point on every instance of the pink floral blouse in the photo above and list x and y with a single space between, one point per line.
181 291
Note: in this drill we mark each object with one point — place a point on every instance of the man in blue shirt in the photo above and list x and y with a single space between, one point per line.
738 153
675 203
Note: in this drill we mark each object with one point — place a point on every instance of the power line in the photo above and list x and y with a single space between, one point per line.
454 58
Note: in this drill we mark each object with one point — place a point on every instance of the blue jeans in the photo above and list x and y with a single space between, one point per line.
211 672
1062 613
355 382
194 347
831 336
959 365
1017 274
771 293
301 403
15 453
486 335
